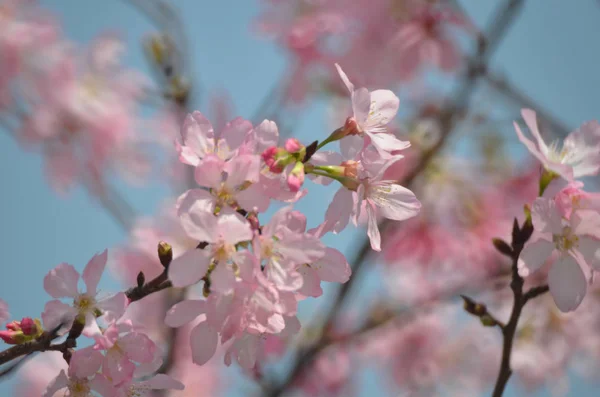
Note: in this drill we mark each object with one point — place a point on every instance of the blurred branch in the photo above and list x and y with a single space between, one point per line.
503 86
448 118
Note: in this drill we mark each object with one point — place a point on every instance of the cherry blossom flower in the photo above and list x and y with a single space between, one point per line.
222 233
124 347
577 156
61 282
577 243
199 139
82 378
372 111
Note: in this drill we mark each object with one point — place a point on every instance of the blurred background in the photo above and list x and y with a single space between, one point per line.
405 330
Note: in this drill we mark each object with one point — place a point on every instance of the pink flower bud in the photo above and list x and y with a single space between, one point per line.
293 145
28 326
351 127
14 326
296 177
269 156
9 337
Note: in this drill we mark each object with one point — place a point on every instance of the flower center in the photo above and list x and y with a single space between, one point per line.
79 388
223 252
556 153
84 303
566 241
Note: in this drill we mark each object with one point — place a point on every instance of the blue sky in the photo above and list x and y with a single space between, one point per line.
551 54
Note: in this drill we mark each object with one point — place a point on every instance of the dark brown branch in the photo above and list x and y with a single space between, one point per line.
535 292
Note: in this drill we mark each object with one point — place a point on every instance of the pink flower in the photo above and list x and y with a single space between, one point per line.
577 243
572 198
82 378
578 156
372 111
222 233
283 247
199 138
61 282
426 39
124 347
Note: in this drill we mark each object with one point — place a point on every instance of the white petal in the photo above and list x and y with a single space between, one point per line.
93 272
394 201
233 228
199 224
545 216
61 282
189 268
373 228
60 382
537 250
203 340
567 283
184 312
345 78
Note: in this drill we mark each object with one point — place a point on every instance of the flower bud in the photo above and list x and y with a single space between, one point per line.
276 159
165 253
21 331
292 145
296 177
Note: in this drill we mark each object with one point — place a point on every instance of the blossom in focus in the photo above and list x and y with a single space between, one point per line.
372 111
577 156
577 243
123 348
81 379
61 282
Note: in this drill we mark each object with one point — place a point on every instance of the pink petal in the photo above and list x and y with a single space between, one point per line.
397 203
373 228
85 362
61 282
350 146
103 386
198 134
311 283
361 105
203 340
253 198
60 382
118 367
57 313
91 328
93 271
345 78
267 135
545 216
534 254
233 228
222 279
300 248
567 283
531 120
199 224
189 268
386 143
530 145
138 347
113 307
333 267
384 106
209 171
184 312
242 168
195 200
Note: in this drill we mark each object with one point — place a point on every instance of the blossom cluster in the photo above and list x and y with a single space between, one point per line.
78 106
406 37
255 273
